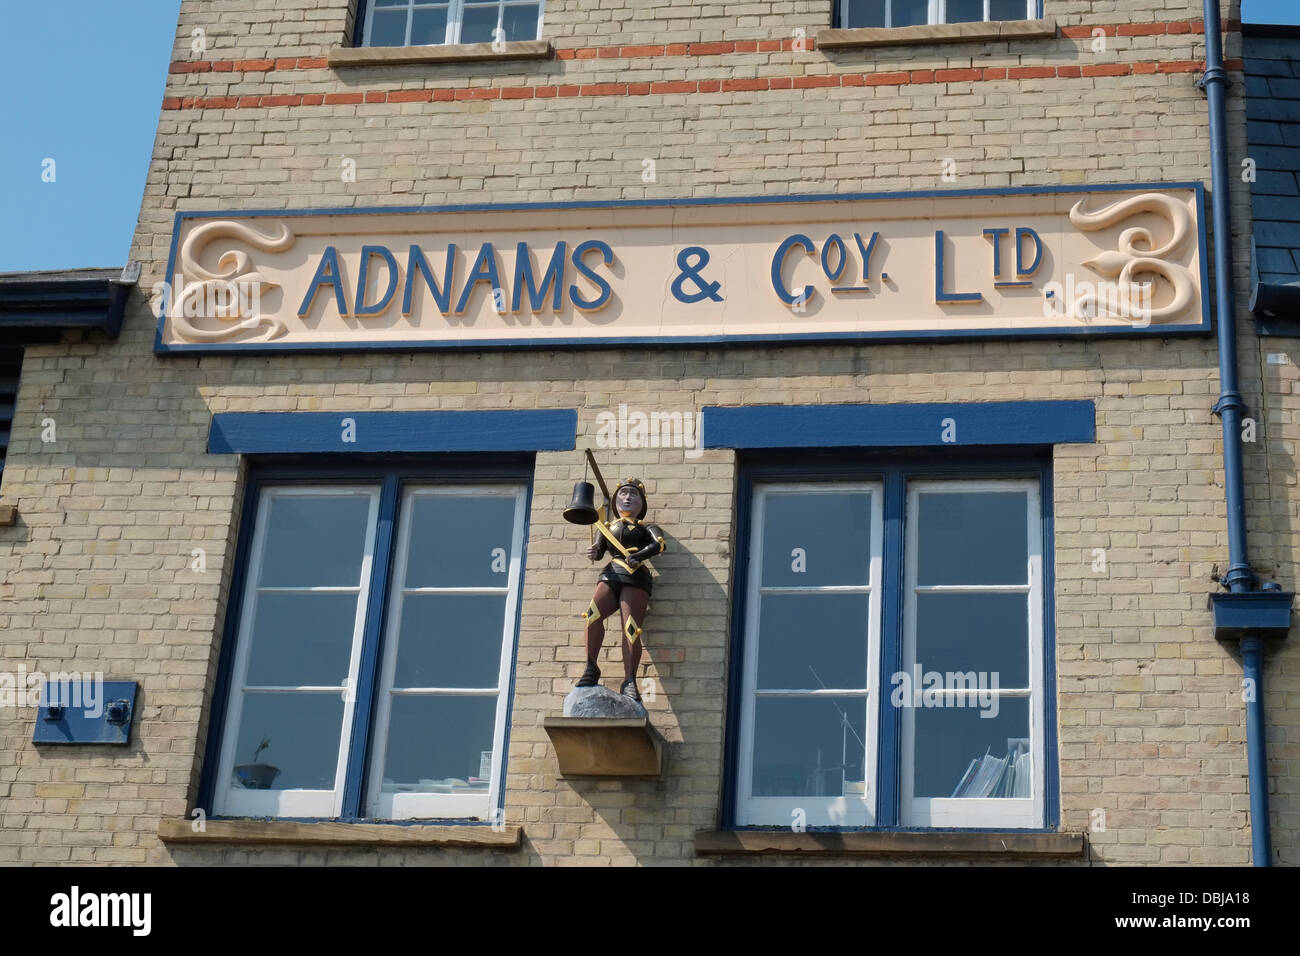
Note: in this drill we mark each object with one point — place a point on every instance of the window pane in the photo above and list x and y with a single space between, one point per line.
520 23
479 23
815 539
437 744
388 28
984 633
952 742
302 639
965 11
1007 9
392 3
864 13
314 541
804 637
809 747
973 538
429 26
460 541
450 640
302 733
910 13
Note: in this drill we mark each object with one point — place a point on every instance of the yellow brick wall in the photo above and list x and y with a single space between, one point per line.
97 573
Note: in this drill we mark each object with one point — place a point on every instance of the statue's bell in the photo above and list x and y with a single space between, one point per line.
582 509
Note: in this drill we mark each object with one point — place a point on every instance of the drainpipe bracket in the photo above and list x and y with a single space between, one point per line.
1230 400
1241 614
1239 579
1211 75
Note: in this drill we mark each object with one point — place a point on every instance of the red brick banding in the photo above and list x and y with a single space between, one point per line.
664 87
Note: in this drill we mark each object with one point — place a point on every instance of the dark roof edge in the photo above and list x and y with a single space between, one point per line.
43 302
54 275
1280 30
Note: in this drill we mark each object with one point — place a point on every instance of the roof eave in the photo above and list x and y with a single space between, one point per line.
31 303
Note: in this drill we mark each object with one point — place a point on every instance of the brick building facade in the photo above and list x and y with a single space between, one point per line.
272 106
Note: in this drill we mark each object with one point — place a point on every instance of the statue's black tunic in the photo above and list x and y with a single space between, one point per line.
643 540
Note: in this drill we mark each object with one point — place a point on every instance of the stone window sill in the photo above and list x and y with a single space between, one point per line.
1009 844
936 33
8 516
343 56
226 832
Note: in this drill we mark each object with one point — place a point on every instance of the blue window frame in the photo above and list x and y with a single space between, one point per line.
437 22
367 666
862 575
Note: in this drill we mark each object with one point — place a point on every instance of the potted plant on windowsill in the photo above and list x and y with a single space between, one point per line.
257 776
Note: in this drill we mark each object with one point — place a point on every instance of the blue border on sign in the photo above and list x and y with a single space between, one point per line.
1205 326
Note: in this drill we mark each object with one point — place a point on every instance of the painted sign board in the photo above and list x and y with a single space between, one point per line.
1112 260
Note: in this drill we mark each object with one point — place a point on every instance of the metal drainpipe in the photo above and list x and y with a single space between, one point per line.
1229 408
1252 661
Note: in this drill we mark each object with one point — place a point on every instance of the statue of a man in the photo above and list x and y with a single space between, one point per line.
623 584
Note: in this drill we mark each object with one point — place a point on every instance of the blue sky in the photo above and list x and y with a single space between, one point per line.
1270 11
82 84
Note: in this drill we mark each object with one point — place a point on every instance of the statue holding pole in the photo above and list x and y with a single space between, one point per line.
624 583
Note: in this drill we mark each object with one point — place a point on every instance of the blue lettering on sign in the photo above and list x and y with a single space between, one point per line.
940 295
835 242
690 261
552 278
606 291
866 254
327 273
996 235
363 274
416 264
485 270
545 288
797 241
1023 272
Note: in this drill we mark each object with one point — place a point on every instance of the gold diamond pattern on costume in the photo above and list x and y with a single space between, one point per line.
591 614
631 631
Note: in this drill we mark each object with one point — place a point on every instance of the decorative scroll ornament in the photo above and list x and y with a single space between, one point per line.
1138 254
236 287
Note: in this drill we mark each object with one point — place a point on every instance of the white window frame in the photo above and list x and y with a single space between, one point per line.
240 802
408 805
818 811
936 14
965 811
455 17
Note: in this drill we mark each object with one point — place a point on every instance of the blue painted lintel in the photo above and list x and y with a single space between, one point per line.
899 425
393 432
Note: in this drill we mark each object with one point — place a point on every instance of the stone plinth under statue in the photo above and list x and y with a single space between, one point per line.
600 701
604 734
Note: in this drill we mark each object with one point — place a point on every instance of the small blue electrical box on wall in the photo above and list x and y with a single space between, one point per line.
81 709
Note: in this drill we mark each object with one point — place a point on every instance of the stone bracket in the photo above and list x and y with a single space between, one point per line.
335 833
439 53
846 38
1004 844
606 746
